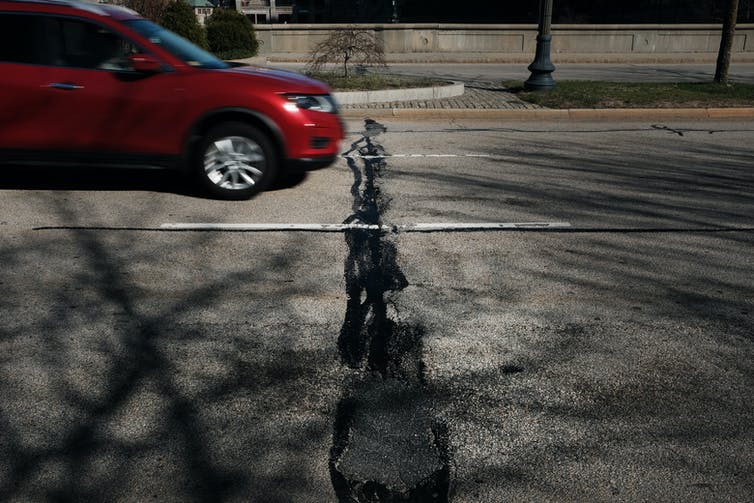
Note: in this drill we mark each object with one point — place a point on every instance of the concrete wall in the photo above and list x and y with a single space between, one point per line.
516 43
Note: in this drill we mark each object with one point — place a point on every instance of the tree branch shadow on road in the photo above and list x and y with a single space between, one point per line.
114 392
654 197
613 361
151 394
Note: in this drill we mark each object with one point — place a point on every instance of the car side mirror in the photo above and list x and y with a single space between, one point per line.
144 63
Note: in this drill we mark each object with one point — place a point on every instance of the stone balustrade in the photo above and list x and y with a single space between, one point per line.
516 43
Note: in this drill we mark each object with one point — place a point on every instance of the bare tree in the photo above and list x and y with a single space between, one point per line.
726 43
351 45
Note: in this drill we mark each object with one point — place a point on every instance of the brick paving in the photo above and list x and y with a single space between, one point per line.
477 95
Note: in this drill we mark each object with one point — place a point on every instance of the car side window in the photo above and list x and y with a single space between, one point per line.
81 44
22 39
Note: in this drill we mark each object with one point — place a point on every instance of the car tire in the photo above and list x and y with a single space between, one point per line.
235 161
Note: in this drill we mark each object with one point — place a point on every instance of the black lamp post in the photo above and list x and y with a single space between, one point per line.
541 68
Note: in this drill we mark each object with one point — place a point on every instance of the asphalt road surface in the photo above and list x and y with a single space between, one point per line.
455 311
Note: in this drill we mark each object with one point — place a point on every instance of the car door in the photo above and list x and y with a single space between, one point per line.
98 102
24 75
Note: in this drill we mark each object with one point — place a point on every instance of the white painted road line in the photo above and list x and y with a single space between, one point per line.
419 227
268 227
438 227
388 156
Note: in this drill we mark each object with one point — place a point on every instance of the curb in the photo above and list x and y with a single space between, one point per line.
536 114
409 94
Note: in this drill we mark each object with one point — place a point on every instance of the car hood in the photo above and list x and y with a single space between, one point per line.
285 81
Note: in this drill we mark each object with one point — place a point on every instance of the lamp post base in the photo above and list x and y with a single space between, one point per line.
541 68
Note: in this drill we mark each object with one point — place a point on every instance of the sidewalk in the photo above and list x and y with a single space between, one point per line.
489 72
485 97
490 101
479 95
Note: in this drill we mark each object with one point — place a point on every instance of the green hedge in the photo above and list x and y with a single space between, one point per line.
179 17
231 35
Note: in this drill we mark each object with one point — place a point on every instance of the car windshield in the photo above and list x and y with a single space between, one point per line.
176 45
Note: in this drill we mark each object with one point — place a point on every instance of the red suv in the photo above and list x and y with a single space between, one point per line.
84 83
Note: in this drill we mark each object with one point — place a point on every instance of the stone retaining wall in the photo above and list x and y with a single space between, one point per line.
516 43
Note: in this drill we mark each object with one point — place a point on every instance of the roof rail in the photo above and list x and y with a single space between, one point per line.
77 4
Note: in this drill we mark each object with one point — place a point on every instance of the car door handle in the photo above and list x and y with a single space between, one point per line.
66 86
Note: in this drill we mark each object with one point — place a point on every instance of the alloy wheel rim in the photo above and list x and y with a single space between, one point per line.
234 163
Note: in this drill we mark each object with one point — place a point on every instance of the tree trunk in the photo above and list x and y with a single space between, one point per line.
726 43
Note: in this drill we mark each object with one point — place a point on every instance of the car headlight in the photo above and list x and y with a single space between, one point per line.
316 102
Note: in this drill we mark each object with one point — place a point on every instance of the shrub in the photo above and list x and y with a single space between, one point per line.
231 35
347 46
179 17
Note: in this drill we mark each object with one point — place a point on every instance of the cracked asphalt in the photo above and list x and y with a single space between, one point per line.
608 360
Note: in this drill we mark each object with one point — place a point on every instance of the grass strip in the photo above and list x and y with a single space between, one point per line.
594 94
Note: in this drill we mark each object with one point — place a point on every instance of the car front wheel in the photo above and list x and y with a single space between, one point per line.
235 161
